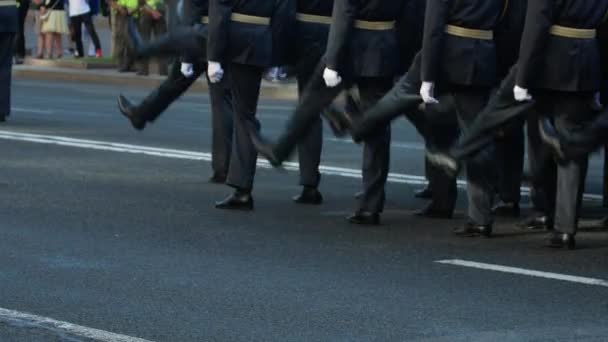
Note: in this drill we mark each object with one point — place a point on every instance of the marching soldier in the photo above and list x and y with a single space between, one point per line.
245 38
362 48
9 17
192 44
562 84
313 20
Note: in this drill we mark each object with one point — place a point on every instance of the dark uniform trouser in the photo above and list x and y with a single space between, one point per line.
543 170
394 104
245 83
309 148
570 112
376 155
510 150
124 53
174 87
148 28
24 6
6 63
468 102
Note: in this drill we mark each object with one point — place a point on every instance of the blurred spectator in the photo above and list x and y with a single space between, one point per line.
80 14
24 7
124 9
152 22
54 25
38 29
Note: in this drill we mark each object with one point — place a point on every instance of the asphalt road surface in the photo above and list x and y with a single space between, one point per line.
109 234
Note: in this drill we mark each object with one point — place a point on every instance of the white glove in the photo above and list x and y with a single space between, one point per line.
596 103
427 91
187 70
331 77
521 94
214 72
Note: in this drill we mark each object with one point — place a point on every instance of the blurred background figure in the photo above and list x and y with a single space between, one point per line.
9 17
54 26
152 25
24 7
123 10
80 15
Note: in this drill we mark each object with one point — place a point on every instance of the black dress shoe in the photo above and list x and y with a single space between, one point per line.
359 195
364 218
309 196
338 121
266 149
218 178
473 230
236 201
561 240
426 193
506 209
128 109
444 161
536 222
550 136
430 211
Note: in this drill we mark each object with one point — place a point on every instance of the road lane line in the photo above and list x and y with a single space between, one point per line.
22 319
525 272
397 178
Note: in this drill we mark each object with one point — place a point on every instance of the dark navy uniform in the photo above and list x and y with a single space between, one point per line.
560 63
246 37
313 21
191 44
9 18
364 45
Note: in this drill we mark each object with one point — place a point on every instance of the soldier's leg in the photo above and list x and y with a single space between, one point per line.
479 169
222 125
6 61
309 148
402 98
441 132
571 113
510 152
245 82
317 96
172 88
376 152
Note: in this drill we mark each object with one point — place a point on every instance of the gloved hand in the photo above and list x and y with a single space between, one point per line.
596 103
331 77
521 94
214 72
427 91
187 70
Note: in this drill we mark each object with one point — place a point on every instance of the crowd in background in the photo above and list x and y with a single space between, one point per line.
66 28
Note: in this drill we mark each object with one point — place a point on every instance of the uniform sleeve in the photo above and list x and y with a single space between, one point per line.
343 18
219 26
435 20
508 33
409 28
197 8
539 19
282 22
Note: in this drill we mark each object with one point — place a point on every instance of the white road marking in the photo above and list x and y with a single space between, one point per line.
29 320
398 178
32 110
525 272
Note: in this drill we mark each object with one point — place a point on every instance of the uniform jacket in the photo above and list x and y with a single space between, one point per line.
250 44
310 39
8 19
457 60
508 35
198 10
369 53
557 63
